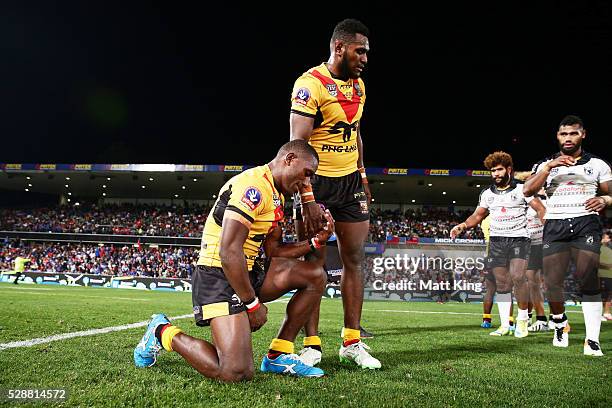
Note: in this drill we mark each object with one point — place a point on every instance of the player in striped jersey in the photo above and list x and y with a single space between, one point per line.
509 239
572 179
534 268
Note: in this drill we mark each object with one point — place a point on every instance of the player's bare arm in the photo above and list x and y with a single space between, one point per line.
231 252
274 247
361 167
602 201
538 207
473 220
301 128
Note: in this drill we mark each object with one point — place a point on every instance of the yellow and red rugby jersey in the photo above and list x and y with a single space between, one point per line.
337 107
251 198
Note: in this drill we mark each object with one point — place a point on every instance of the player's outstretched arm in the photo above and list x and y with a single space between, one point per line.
473 220
301 128
274 247
233 236
361 167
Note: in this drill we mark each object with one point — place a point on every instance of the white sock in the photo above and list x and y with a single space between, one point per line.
504 302
523 314
591 309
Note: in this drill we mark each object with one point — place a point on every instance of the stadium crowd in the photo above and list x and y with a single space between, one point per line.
161 262
105 259
423 223
125 219
128 219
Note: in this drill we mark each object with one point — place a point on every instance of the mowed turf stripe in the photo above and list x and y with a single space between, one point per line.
92 332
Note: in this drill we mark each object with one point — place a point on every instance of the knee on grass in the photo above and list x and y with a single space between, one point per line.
236 374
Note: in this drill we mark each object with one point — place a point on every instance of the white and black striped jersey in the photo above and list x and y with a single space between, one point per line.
507 209
568 188
535 226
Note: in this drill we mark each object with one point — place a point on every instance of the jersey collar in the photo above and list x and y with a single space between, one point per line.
511 186
270 180
328 74
584 158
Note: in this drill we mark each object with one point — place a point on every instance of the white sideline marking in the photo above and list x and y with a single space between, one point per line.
91 332
64 336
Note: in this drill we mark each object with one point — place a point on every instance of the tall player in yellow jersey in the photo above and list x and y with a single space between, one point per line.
326 107
229 289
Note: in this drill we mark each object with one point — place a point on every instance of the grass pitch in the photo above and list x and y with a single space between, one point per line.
432 355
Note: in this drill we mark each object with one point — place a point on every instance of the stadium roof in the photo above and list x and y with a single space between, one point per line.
201 182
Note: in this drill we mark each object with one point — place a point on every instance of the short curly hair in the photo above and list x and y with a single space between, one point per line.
497 158
347 29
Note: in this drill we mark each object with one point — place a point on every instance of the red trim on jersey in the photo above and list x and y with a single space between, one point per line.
350 107
279 213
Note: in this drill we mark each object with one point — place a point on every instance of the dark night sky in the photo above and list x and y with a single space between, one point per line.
171 83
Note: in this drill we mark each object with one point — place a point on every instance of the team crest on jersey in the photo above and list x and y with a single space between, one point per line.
358 90
588 170
302 96
252 198
332 89
554 171
490 200
513 197
276 200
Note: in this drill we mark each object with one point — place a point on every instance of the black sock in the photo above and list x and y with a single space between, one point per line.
561 320
314 347
541 318
158 330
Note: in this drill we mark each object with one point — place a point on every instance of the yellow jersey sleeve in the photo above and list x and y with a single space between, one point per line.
306 96
484 225
251 199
